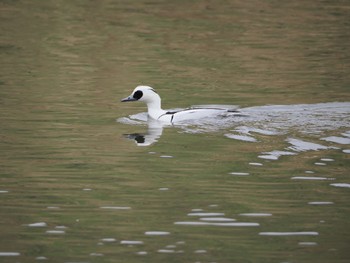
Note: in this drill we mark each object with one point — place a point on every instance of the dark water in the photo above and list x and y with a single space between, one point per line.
272 186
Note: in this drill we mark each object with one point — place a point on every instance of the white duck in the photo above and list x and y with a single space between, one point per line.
151 98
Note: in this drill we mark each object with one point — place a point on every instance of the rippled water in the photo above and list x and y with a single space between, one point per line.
268 184
273 120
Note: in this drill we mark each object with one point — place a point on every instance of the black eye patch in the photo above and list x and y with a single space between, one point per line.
138 95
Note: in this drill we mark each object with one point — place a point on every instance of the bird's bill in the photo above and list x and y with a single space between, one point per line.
127 99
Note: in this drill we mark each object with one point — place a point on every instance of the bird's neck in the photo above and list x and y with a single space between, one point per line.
154 109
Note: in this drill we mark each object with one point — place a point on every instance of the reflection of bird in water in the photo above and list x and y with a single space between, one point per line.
138 137
155 130
151 98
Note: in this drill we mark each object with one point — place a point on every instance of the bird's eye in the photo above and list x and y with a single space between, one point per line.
138 95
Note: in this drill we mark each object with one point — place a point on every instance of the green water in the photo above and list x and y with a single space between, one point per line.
65 162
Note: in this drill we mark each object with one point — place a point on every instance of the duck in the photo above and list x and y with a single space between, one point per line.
152 99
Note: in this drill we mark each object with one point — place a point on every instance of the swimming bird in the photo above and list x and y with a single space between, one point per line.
149 96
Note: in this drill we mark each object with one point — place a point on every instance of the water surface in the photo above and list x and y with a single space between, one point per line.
269 186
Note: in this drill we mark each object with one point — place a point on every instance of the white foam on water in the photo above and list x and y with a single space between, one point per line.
346 134
244 138
311 178
192 223
233 224
39 224
336 139
320 164
236 224
157 233
320 203
275 155
306 233
9 254
256 164
268 157
206 214
135 119
116 207
344 185
53 207
302 146
61 227
41 258
247 130
255 214
307 118
217 219
197 210
56 232
239 174
166 156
